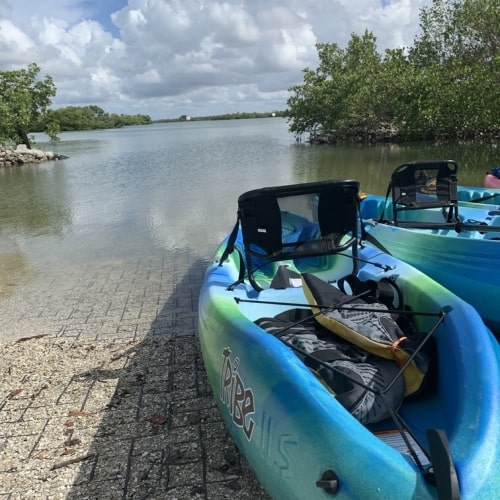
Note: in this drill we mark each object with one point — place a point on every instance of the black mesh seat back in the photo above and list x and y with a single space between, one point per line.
300 220
424 185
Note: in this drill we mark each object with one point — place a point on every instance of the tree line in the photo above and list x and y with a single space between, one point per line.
444 87
87 118
24 107
226 116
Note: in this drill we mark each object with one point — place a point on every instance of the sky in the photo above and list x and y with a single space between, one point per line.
167 58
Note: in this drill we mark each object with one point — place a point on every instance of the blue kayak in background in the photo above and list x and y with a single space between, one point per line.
422 223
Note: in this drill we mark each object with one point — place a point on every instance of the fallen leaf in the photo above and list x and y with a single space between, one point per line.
14 393
78 413
68 451
157 420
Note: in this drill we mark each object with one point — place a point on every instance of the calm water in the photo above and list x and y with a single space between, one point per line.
137 191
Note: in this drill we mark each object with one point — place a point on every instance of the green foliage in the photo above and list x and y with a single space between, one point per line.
343 93
445 87
88 118
468 30
23 100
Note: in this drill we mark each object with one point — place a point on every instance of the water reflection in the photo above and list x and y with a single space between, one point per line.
373 165
34 207
13 268
139 190
34 200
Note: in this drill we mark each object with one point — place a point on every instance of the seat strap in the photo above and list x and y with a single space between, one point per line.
230 249
230 242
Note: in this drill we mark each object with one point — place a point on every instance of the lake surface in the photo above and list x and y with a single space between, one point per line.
139 191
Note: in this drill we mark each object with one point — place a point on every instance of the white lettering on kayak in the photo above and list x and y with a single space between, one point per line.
238 399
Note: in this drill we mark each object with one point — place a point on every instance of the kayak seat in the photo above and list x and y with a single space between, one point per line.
417 186
297 223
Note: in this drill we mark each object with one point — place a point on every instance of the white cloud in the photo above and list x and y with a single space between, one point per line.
197 57
233 24
14 44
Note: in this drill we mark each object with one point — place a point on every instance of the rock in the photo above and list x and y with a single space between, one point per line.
21 155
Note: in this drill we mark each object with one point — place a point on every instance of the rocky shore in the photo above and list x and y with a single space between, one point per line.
21 155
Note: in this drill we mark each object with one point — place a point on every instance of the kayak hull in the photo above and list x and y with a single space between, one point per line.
471 196
292 431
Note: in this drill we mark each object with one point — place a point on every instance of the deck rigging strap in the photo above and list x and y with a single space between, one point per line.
439 314
457 226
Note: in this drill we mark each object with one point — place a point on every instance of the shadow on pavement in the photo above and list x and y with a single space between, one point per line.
161 435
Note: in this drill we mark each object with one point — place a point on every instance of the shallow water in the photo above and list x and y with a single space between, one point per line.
140 191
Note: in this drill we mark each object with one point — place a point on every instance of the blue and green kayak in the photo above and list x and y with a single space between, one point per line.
437 436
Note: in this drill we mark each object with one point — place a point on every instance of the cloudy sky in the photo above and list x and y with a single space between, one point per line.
195 57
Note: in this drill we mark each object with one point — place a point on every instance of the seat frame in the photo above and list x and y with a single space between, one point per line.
272 230
422 185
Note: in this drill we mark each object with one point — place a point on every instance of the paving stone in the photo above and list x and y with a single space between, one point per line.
102 389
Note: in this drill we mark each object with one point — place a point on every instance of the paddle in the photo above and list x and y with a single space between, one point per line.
440 315
445 474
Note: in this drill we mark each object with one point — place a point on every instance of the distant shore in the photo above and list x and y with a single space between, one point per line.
21 155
